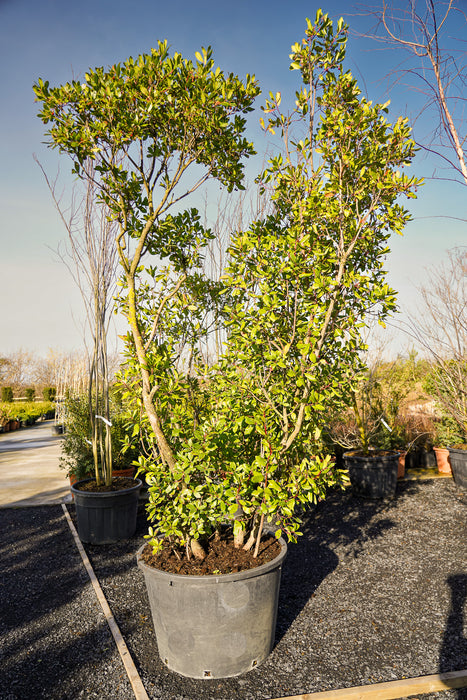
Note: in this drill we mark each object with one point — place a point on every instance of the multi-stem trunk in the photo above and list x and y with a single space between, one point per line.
148 391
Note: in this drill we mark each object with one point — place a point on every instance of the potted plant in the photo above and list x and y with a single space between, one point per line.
77 456
370 435
239 444
445 433
373 471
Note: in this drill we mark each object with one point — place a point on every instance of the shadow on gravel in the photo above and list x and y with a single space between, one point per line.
48 638
342 520
453 654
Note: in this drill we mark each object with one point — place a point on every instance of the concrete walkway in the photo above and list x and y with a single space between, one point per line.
29 470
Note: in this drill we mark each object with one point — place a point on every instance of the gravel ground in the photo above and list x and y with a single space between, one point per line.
372 592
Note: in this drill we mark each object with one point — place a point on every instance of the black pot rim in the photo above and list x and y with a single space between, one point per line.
212 579
388 456
102 494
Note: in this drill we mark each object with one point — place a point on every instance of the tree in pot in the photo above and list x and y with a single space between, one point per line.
247 434
106 507
241 443
148 123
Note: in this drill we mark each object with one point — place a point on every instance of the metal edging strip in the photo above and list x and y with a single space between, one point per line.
130 668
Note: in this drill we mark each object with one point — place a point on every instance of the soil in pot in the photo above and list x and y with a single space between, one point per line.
222 557
119 483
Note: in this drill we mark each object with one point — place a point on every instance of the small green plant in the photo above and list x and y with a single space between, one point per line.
77 449
49 393
7 394
447 432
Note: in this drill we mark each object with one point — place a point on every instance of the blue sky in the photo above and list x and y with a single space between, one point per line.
59 40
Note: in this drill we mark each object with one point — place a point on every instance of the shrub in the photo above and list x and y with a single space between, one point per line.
7 394
49 393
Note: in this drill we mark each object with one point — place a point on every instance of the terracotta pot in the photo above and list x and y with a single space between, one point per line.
401 465
442 460
129 472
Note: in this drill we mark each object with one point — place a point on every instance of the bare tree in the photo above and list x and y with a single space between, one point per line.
16 370
233 213
433 34
441 329
91 256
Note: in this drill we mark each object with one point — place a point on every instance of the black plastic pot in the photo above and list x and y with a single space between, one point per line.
420 459
107 517
214 626
373 475
458 460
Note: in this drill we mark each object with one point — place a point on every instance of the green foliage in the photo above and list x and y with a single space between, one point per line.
77 454
7 394
298 288
378 417
30 394
49 393
447 432
163 103
241 441
27 411
147 122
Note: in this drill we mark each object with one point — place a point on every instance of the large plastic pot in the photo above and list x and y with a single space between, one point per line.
373 475
214 626
458 460
106 517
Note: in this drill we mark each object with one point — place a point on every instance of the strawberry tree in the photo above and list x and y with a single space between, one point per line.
301 284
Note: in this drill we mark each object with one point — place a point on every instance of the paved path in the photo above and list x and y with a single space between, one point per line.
29 470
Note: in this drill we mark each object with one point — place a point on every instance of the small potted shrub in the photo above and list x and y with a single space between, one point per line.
78 458
451 449
441 329
445 433
373 463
